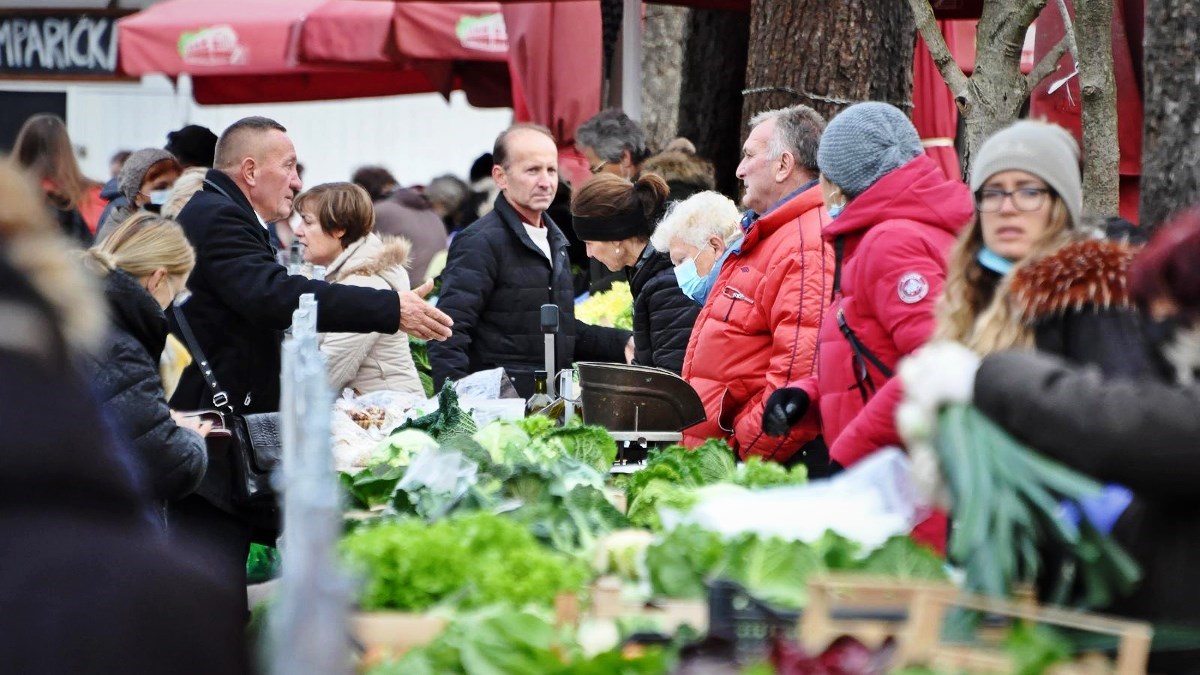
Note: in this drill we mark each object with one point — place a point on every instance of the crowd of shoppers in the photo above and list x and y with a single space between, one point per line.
788 316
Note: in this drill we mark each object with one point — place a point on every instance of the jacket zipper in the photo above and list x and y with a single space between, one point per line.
734 295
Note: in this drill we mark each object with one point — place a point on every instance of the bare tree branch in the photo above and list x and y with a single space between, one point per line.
1069 30
1047 65
1015 22
938 49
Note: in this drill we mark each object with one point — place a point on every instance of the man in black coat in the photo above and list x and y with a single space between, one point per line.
505 266
242 301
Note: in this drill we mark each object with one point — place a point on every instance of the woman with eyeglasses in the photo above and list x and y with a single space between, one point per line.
144 265
1026 274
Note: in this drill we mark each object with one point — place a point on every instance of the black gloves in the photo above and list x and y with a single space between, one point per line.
785 407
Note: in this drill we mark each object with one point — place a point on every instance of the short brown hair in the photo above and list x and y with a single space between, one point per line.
500 149
340 206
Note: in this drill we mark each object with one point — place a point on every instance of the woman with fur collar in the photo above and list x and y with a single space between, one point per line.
337 232
1023 274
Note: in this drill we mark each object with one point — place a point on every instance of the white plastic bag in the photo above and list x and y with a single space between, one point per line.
869 503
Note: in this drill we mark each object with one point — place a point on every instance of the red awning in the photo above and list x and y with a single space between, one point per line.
251 52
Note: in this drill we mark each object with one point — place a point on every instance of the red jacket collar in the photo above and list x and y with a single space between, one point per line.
783 214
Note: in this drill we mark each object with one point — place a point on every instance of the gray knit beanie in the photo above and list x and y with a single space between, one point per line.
864 143
1040 148
134 171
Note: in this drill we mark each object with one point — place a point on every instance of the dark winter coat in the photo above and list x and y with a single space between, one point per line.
73 225
89 584
126 379
1141 434
1077 303
662 315
407 213
242 300
495 282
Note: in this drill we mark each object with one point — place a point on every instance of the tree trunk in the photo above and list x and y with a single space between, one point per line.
662 73
1171 143
828 55
997 90
714 73
1102 156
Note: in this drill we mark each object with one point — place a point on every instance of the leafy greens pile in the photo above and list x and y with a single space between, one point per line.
473 560
672 475
503 641
774 569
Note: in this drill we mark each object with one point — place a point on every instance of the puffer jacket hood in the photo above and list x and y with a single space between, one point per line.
374 255
1089 273
917 191
369 362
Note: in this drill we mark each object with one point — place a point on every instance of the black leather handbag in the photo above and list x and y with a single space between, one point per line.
251 442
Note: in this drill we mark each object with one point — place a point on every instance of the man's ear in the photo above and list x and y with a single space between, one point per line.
249 171
498 176
784 166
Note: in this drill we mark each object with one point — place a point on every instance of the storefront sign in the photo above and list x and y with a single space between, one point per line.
39 44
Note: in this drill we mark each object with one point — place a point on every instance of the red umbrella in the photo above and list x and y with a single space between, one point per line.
934 113
247 52
455 45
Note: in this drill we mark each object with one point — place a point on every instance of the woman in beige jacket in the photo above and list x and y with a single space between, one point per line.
336 232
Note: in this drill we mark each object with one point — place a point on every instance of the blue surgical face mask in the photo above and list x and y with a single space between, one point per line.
835 210
159 197
689 279
994 261
695 286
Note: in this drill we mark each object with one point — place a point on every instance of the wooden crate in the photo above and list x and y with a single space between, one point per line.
606 603
872 609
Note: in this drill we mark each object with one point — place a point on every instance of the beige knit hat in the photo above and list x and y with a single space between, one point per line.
1040 148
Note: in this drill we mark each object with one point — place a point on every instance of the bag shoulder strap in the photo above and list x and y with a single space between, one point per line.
220 399
839 250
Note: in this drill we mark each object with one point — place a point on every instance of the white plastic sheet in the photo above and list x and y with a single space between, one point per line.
874 500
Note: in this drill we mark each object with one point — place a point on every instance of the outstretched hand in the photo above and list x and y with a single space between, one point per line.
784 409
421 319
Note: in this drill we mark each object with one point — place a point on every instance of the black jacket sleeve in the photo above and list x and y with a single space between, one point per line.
1142 434
174 458
246 278
670 316
467 284
599 343
1111 339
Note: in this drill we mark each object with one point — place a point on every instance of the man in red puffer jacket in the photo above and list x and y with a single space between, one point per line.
896 218
758 329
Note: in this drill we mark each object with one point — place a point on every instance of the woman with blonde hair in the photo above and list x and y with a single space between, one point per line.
144 265
337 232
44 150
1026 274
